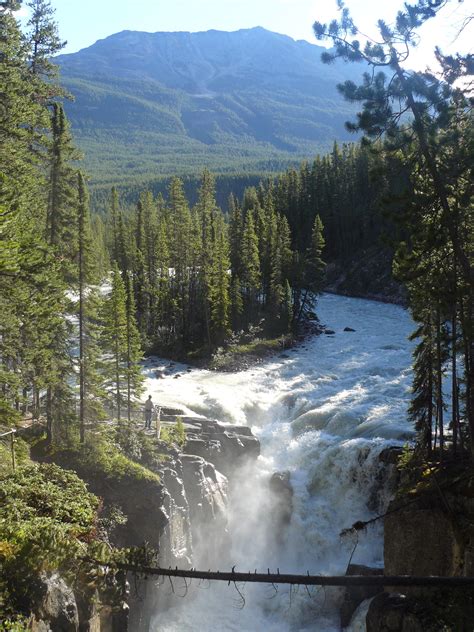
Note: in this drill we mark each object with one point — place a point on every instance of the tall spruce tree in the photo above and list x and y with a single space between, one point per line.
114 341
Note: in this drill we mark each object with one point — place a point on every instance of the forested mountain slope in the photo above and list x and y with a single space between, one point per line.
151 104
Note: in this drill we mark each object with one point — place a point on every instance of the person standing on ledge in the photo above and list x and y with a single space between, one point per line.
148 412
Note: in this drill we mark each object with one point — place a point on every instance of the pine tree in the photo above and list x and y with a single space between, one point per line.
44 40
312 280
133 351
87 273
219 287
62 202
114 340
181 240
237 305
250 280
112 225
34 335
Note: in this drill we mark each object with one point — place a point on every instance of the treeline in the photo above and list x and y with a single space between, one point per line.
130 193
348 188
199 275
51 255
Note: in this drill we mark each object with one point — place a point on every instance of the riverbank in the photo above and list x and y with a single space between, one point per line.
368 275
243 351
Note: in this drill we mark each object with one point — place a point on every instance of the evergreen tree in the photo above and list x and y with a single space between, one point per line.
133 351
250 281
43 39
438 253
114 341
219 287
112 225
89 393
62 202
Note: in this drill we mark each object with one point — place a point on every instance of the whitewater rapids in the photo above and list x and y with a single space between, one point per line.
324 413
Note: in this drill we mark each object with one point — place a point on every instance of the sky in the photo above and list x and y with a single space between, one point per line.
83 22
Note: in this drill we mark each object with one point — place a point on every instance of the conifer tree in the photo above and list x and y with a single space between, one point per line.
89 390
237 306
43 39
250 280
62 203
114 340
133 351
432 147
112 225
219 287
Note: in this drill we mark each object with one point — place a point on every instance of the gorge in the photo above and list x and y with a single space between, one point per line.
323 412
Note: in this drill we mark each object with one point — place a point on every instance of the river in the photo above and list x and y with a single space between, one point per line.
324 413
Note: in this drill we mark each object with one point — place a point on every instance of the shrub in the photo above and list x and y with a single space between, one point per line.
47 518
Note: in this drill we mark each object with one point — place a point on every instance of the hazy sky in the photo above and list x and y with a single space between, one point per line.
82 22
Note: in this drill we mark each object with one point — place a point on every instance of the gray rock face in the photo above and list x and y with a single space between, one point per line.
176 541
58 607
194 501
282 505
421 541
206 492
223 445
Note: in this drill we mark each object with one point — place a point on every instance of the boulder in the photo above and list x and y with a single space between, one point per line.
329 332
282 506
421 540
348 329
397 613
224 445
355 595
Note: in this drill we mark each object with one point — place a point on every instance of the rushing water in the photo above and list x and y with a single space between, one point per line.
324 414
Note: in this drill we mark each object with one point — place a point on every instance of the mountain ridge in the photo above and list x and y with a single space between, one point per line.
172 102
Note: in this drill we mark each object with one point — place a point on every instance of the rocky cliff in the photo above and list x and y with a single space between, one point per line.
428 531
195 482
169 496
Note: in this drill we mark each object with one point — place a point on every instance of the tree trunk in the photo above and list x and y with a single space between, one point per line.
439 375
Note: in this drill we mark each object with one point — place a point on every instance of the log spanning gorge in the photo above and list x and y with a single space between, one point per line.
295 458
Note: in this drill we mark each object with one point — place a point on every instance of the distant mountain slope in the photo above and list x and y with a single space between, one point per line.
151 104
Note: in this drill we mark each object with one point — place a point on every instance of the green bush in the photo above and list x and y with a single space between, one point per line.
174 435
47 519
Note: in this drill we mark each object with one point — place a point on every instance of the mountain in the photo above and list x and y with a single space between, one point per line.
155 104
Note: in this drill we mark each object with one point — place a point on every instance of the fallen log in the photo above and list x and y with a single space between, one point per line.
302 580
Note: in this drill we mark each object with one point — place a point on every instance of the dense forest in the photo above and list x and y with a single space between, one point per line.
186 277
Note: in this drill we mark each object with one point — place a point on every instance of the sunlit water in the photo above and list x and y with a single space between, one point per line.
324 414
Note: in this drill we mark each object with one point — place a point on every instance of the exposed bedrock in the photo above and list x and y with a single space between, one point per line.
429 530
225 446
194 502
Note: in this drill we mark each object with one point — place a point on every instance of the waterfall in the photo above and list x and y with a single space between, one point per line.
323 412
